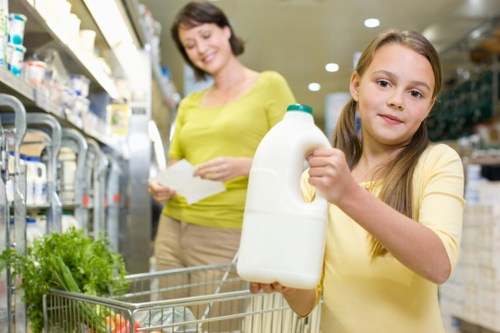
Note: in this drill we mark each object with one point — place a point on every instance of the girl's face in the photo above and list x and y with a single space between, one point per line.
207 45
394 95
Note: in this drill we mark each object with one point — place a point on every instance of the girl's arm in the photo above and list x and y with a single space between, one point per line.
414 244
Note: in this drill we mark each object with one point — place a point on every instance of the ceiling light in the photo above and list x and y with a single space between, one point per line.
332 67
314 86
372 23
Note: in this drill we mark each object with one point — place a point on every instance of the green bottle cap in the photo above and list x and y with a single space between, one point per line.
300 107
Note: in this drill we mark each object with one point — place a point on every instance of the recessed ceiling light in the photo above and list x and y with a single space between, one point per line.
372 23
314 86
332 67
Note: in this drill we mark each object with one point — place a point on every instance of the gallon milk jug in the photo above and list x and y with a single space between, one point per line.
283 237
40 181
33 231
67 159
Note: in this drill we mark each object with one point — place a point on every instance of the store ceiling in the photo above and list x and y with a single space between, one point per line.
298 37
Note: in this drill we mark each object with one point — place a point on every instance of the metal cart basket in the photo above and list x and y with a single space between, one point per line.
197 299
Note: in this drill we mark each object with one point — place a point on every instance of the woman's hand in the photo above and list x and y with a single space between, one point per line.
224 168
159 192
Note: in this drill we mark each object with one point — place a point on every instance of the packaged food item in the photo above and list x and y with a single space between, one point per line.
161 317
4 18
34 71
17 22
15 58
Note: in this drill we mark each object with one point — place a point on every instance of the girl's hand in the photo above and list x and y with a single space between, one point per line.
301 301
255 287
224 168
329 173
159 192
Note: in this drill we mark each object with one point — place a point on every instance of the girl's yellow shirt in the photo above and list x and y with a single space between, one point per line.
382 296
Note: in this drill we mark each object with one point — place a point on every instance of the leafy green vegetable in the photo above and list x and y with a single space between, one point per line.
68 261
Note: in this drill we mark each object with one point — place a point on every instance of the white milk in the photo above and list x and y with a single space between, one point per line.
283 237
37 176
67 159
33 230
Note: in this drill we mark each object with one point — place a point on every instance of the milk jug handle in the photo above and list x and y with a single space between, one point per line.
307 147
318 196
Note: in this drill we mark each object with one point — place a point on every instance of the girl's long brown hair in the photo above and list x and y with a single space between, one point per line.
397 188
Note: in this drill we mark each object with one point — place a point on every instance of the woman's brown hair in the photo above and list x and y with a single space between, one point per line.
196 13
397 188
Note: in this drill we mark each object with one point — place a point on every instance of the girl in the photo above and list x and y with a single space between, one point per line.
395 202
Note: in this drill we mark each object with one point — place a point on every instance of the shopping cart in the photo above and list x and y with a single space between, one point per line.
198 299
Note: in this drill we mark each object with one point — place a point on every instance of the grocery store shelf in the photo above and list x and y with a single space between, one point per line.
16 85
41 34
144 35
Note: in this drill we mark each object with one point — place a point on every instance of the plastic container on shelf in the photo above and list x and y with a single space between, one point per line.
36 181
17 23
63 8
78 111
54 12
473 182
283 237
4 18
68 97
44 8
41 220
72 29
69 220
87 41
15 58
41 185
33 230
34 71
67 160
80 84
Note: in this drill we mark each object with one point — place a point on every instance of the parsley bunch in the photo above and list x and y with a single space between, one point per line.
68 261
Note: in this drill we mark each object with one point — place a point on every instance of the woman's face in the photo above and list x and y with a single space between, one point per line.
207 45
394 95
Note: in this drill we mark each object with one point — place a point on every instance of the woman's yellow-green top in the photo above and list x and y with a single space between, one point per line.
233 130
383 296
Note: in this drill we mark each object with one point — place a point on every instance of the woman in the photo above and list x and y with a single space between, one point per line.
395 202
218 130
